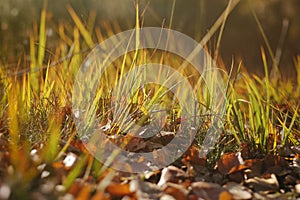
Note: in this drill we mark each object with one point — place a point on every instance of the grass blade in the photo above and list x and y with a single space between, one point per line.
83 30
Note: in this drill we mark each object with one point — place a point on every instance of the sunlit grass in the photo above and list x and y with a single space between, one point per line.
36 106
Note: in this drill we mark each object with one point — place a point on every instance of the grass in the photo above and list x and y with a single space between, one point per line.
35 105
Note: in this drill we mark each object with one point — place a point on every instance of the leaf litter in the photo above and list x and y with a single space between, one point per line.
232 177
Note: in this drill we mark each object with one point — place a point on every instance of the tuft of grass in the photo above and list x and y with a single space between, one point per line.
36 106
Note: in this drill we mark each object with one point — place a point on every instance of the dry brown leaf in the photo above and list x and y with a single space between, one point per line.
263 183
176 190
77 144
246 165
119 190
272 160
84 193
191 157
135 166
4 157
296 149
159 157
229 161
238 191
145 190
3 145
58 165
171 174
100 195
162 139
134 144
75 188
210 191
237 176
255 170
225 196
289 180
245 150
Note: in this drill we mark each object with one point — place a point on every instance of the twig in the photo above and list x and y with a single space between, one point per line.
283 34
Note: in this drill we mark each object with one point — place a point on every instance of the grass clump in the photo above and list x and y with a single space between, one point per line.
36 113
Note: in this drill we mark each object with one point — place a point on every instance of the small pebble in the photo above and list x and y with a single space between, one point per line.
60 188
167 197
45 174
67 197
297 188
4 192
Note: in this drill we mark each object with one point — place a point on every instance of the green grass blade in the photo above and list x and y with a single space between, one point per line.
275 69
76 171
42 35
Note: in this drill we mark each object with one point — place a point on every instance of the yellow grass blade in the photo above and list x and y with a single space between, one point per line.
54 130
83 30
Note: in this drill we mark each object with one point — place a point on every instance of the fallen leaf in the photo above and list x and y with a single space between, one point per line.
255 170
4 158
245 150
119 190
75 188
100 195
225 196
210 191
289 180
296 149
228 161
263 184
177 191
3 145
135 144
276 169
191 157
171 174
58 165
246 165
237 176
145 190
273 160
84 193
163 138
296 164
238 191
79 145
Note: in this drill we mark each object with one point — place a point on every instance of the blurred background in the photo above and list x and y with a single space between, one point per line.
241 41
